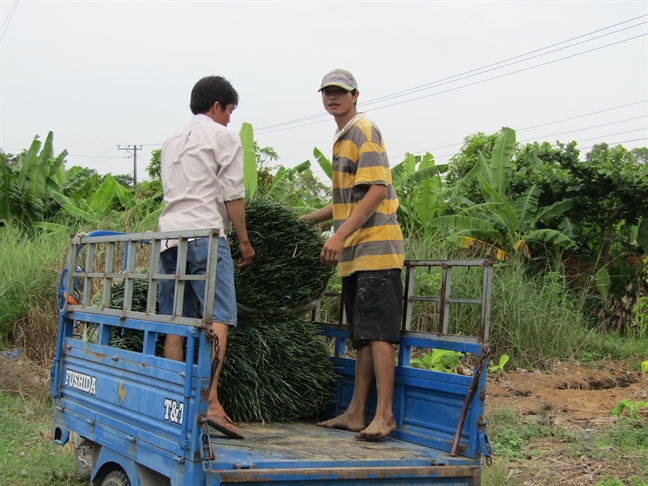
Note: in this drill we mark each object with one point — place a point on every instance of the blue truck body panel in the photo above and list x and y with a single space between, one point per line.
144 414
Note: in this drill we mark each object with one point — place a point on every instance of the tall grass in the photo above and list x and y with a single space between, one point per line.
30 264
534 320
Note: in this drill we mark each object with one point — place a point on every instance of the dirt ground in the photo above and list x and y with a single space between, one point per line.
575 398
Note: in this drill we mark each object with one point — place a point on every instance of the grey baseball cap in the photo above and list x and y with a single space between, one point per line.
339 77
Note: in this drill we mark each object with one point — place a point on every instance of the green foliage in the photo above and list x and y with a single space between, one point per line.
323 162
125 180
509 224
154 169
499 367
464 161
535 319
631 407
419 192
600 347
626 437
249 159
30 262
441 360
510 436
265 156
608 187
296 187
610 481
25 187
640 310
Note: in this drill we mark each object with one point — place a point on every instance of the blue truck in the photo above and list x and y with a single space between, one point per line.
136 418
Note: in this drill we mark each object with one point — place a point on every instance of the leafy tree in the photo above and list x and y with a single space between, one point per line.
610 188
303 188
467 158
154 169
265 157
125 180
508 223
640 154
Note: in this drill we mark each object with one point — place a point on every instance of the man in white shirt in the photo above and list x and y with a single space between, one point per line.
202 178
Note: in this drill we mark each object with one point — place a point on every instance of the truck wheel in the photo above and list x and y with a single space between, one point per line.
116 478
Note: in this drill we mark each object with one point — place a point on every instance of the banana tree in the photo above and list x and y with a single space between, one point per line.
99 204
25 189
419 190
506 224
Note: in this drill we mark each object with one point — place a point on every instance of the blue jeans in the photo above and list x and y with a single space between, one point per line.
225 296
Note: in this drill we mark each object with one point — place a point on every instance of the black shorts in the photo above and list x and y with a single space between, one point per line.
374 306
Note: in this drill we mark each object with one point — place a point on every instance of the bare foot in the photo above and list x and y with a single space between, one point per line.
378 429
343 422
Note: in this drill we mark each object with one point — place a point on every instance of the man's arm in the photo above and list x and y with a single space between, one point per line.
365 209
236 214
322 214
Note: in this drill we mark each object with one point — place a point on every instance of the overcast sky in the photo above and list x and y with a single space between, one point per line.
104 75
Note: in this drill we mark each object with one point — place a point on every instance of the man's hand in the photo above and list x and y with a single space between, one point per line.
247 254
236 214
332 249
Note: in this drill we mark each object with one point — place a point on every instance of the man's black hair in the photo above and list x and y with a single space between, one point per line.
208 91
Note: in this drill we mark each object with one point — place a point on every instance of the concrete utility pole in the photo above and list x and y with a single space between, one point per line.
134 149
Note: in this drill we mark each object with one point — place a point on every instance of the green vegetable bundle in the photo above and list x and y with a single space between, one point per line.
286 273
275 370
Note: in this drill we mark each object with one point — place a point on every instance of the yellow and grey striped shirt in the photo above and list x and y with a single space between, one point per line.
359 161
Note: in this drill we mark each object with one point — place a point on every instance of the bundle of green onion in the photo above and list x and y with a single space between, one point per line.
286 273
276 367
275 370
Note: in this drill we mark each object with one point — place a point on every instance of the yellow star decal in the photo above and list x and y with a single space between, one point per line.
121 391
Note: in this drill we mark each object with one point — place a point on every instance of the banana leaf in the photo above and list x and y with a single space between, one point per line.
323 162
246 135
501 165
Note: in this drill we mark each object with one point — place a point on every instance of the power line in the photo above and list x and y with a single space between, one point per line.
600 137
483 70
581 116
616 143
467 85
7 21
509 74
535 126
614 134
586 128
442 81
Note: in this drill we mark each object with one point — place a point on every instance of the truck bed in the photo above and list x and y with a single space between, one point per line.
142 416
304 449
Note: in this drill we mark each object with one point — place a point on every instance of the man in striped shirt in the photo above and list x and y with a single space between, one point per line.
367 247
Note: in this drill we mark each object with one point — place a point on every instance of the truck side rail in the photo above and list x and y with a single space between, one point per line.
428 405
133 400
